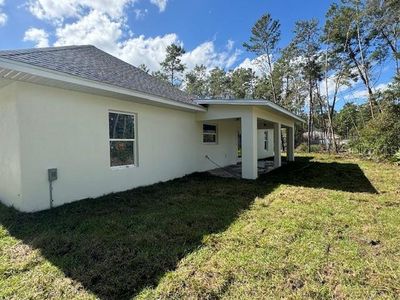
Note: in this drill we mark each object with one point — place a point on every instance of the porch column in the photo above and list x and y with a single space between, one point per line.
277 145
249 147
290 144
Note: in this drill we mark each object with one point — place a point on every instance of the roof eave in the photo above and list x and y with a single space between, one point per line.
71 79
250 102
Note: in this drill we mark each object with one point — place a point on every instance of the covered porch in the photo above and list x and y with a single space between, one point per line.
253 116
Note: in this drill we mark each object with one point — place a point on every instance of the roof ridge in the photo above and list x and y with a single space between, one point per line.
44 49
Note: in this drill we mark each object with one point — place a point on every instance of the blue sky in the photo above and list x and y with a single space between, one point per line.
138 31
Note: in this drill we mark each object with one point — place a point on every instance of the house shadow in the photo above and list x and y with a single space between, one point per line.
346 177
119 244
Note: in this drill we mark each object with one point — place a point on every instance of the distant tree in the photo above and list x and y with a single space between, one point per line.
307 45
218 84
287 75
197 81
144 68
384 16
337 73
348 121
264 39
160 75
172 65
242 82
349 29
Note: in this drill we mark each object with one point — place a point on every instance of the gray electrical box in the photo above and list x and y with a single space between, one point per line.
52 173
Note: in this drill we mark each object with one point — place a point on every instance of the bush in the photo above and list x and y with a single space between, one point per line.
314 148
380 137
396 157
302 147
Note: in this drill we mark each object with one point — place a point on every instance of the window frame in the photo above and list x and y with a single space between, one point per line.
134 140
215 134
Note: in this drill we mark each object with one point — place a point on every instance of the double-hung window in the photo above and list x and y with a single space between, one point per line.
209 134
122 131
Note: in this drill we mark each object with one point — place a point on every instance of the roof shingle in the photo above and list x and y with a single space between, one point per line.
90 63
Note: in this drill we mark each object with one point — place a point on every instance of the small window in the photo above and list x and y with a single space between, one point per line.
266 146
122 139
209 134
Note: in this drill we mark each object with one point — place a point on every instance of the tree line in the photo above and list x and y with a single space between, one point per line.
307 76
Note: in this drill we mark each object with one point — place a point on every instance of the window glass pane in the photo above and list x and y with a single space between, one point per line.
122 153
121 126
266 140
209 128
209 138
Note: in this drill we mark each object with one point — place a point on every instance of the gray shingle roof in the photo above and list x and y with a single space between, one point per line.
90 63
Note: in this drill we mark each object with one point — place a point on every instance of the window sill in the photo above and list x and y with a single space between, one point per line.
115 168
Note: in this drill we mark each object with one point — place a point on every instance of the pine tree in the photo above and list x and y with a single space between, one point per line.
172 65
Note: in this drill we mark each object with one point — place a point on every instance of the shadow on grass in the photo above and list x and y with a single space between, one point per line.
346 177
118 244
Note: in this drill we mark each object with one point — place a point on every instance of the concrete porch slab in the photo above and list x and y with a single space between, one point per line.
235 171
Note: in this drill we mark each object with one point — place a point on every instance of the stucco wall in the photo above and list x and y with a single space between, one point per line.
68 130
10 167
55 128
262 153
225 151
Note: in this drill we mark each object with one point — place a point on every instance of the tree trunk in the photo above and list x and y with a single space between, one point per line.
310 116
271 79
365 79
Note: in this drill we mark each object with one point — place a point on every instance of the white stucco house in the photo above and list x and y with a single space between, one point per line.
91 124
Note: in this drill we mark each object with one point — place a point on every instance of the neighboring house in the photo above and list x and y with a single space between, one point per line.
320 137
92 124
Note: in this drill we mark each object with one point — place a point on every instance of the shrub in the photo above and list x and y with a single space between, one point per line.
396 157
380 137
314 148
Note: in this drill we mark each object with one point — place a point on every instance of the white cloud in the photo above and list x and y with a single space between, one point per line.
107 29
96 29
3 19
205 54
362 93
161 4
38 36
140 13
149 51
57 10
230 44
107 34
3 16
251 64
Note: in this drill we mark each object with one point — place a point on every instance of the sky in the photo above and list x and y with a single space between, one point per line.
138 31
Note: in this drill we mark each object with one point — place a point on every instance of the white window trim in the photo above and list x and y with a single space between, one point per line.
135 143
216 134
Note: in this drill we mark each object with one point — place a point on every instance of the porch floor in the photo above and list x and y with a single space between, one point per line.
235 171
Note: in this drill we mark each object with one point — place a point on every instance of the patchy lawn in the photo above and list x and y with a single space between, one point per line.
323 227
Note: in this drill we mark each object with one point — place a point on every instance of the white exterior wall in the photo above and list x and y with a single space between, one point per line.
57 128
262 153
225 151
69 131
10 166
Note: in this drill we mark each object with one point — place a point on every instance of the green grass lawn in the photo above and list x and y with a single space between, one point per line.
323 227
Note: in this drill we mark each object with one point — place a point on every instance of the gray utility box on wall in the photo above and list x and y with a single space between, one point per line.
52 174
